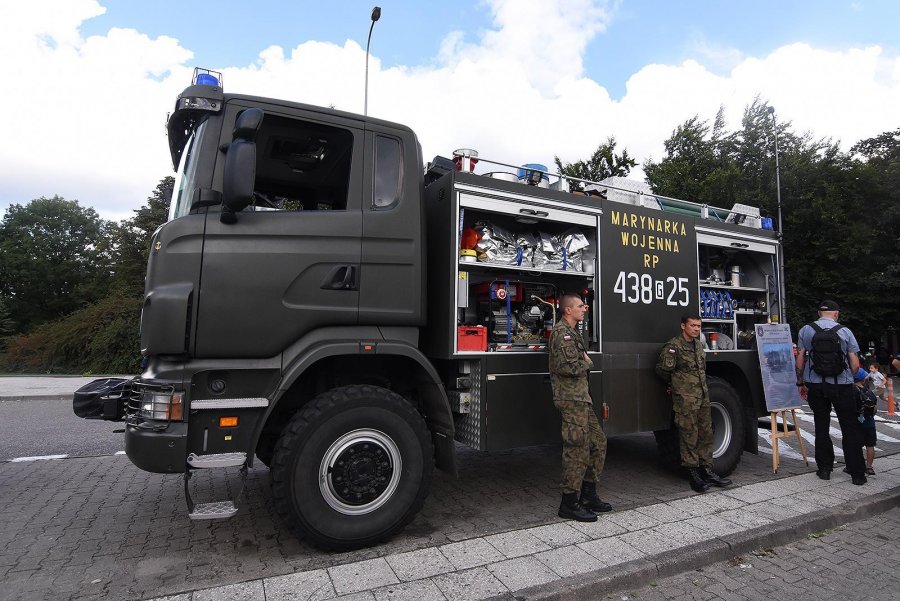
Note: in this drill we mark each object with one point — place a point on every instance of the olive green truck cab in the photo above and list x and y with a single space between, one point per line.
324 303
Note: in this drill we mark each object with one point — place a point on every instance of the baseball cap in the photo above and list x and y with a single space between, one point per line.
860 375
828 305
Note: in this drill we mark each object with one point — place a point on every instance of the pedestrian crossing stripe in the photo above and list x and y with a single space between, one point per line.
836 432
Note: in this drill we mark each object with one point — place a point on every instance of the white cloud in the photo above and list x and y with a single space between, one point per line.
85 115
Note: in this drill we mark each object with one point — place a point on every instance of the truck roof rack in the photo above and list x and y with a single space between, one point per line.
618 189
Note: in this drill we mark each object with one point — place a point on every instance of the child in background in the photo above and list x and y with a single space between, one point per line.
867 410
877 381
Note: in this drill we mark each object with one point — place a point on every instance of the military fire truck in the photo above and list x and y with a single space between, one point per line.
322 302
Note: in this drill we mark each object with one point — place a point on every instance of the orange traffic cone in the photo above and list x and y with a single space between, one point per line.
890 396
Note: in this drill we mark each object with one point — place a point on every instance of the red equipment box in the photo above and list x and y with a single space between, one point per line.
471 338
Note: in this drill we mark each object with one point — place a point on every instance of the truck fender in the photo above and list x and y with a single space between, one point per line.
437 406
438 415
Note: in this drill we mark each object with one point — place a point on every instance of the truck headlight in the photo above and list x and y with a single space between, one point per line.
162 406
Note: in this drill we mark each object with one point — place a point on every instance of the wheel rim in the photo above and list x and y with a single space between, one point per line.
360 472
722 434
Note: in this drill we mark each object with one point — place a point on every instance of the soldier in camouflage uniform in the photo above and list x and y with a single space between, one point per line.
682 364
584 443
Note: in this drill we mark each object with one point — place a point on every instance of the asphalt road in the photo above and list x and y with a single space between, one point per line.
38 428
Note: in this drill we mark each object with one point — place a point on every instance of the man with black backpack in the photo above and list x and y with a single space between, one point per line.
826 361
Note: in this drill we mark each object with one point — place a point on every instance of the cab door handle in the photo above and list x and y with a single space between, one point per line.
341 277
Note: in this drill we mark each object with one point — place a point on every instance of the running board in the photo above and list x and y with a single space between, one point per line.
216 460
215 510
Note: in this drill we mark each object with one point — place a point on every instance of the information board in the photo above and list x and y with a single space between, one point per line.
776 362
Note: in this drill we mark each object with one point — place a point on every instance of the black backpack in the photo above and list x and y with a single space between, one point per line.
867 403
827 357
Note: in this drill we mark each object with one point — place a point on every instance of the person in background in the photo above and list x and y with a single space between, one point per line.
877 381
827 360
867 410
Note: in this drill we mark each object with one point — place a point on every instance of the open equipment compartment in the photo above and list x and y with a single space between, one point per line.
738 285
524 259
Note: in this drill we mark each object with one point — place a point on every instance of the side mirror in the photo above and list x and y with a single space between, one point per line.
240 164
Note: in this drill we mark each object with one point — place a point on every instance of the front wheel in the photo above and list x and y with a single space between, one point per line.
352 467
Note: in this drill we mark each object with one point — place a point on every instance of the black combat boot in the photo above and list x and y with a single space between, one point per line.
571 509
698 484
590 500
714 478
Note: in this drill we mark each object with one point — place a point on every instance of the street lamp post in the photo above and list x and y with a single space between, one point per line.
782 310
376 14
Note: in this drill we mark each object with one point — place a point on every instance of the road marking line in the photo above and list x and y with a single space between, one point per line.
835 432
889 423
784 449
37 458
885 437
120 452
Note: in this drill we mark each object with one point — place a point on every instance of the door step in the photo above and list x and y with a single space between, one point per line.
216 460
217 510
214 510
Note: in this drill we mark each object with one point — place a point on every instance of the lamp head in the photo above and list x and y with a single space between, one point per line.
771 110
376 13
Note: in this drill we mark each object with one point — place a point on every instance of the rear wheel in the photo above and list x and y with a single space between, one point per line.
728 430
352 467
728 425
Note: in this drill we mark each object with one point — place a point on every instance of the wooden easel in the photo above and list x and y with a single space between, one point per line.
781 433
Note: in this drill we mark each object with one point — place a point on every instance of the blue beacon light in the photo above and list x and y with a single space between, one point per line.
205 79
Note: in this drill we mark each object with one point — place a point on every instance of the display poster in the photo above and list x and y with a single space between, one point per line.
776 362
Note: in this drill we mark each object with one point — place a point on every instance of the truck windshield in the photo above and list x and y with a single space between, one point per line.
185 179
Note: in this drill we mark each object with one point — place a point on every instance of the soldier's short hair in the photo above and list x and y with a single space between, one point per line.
688 316
567 300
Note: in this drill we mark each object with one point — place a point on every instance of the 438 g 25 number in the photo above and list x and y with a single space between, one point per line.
642 288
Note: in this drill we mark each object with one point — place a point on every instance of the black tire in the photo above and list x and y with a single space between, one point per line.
354 437
265 448
728 425
728 430
667 445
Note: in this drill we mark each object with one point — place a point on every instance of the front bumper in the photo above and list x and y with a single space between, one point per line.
162 451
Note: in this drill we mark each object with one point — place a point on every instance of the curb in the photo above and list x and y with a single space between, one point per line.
37 397
641 572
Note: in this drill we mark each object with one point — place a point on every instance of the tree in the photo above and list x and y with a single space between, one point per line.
7 325
604 162
54 258
132 237
841 212
697 166
877 162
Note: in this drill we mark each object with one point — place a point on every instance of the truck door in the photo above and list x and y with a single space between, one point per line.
291 262
392 287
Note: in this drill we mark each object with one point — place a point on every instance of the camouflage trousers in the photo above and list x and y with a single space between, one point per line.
695 433
584 445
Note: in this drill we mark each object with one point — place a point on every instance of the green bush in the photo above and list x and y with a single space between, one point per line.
101 338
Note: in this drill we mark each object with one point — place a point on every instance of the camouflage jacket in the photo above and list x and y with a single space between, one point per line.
569 367
682 364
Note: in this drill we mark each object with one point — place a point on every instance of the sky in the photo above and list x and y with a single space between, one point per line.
87 84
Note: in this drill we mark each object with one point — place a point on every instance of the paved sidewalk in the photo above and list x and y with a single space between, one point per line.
856 561
571 560
97 528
